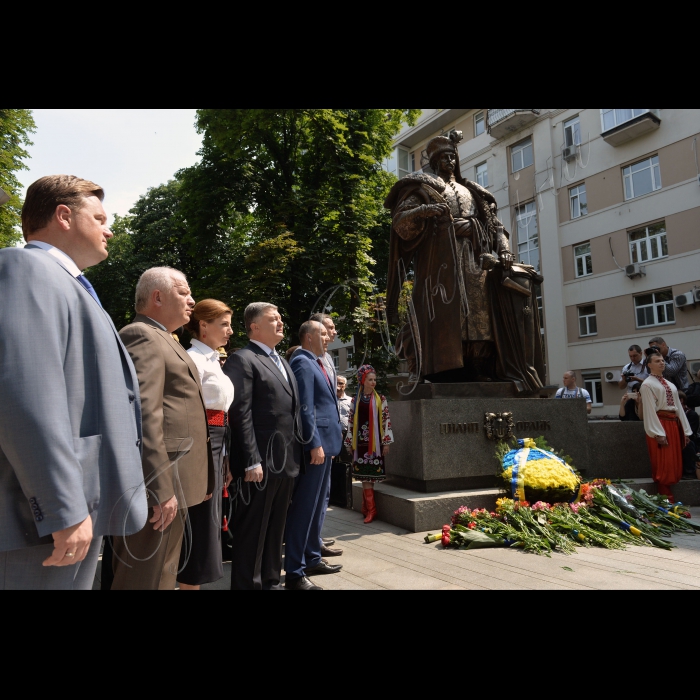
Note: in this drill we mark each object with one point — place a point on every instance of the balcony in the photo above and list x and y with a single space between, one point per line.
502 122
631 128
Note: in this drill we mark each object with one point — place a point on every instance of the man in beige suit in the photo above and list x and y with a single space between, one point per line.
177 462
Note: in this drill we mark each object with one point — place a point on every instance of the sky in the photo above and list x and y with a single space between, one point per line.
125 151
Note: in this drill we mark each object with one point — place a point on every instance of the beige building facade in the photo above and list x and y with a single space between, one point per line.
607 204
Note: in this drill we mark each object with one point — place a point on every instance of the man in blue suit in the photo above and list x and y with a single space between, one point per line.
70 425
322 437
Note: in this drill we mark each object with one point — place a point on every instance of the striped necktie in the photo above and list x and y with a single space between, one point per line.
91 290
276 359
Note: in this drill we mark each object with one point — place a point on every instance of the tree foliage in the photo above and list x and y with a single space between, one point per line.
15 127
285 206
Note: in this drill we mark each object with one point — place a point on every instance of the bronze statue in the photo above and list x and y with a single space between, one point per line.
473 313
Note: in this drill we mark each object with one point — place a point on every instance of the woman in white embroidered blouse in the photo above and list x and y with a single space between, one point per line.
210 327
665 424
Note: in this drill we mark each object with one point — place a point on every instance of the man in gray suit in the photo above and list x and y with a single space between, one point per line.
70 425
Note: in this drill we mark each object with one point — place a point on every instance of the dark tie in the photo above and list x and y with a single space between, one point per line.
91 290
323 369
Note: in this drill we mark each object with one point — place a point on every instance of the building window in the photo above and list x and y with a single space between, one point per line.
577 201
528 238
648 243
349 356
655 309
402 162
593 385
479 124
582 260
586 320
642 177
540 309
482 174
572 132
521 155
413 162
615 117
336 359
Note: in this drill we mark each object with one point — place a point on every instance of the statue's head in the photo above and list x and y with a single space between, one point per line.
442 152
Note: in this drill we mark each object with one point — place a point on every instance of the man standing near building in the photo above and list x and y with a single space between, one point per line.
675 370
571 391
177 460
322 440
265 453
70 425
633 374
344 402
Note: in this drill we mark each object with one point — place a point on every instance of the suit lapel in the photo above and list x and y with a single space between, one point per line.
269 363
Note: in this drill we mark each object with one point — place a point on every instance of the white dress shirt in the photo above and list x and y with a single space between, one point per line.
62 257
654 399
217 388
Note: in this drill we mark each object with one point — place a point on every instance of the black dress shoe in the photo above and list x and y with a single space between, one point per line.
301 584
323 567
330 552
328 543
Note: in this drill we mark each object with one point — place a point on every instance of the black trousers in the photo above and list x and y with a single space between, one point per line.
257 530
688 455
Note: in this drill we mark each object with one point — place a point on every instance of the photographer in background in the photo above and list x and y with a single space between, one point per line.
631 406
675 370
633 374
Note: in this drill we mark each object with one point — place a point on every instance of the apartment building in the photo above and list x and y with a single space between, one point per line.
606 203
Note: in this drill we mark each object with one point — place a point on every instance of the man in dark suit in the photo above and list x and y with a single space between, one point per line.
177 463
265 455
322 440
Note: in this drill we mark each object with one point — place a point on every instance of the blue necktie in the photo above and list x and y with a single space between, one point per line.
91 290
276 359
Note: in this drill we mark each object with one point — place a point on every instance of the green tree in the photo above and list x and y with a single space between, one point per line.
15 127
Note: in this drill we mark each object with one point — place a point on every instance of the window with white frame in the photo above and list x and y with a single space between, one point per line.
655 309
335 354
482 174
572 132
587 324
577 201
594 386
614 117
521 155
479 124
642 177
403 169
350 355
527 236
413 162
582 260
648 243
540 309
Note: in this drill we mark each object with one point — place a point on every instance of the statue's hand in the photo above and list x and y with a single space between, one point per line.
430 210
506 258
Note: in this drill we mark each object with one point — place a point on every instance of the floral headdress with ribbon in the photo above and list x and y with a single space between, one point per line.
376 428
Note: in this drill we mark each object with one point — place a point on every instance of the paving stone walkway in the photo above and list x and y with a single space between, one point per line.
381 556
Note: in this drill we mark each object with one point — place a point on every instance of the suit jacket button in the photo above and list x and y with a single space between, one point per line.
131 398
39 518
32 500
138 443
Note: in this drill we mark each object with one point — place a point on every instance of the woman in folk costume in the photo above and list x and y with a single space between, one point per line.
665 424
369 436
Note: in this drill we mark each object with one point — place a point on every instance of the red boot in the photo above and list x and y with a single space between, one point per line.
371 505
364 502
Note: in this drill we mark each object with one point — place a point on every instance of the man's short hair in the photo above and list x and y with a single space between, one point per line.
160 278
340 376
254 311
307 327
318 317
44 195
571 373
656 340
634 348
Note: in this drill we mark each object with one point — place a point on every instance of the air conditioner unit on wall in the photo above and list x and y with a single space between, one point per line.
569 153
634 270
696 294
683 300
613 376
695 367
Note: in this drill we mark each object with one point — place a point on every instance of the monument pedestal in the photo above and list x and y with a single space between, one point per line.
441 457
